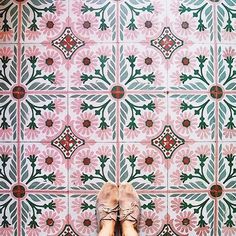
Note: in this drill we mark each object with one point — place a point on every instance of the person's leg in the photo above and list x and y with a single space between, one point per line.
128 229
107 207
107 228
129 209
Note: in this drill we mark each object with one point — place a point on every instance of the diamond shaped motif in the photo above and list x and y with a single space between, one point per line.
68 43
167 142
167 42
167 231
68 231
67 142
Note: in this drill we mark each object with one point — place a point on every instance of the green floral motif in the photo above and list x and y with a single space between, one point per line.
104 172
204 80
37 173
136 110
9 15
99 73
231 13
3 14
197 12
136 73
135 11
150 206
198 173
38 12
30 207
105 11
98 173
99 110
198 73
99 12
37 74
5 75
202 178
86 206
30 8
136 173
198 209
8 75
198 110
130 172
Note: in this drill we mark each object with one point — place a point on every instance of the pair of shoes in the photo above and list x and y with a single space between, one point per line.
112 200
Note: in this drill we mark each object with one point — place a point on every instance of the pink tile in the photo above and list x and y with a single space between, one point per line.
124 91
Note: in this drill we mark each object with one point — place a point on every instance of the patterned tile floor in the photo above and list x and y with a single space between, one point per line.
130 90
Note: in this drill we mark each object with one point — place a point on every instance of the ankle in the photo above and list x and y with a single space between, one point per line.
106 232
128 228
107 228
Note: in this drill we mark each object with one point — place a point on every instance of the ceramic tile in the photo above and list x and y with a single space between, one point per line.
134 91
141 20
92 166
205 189
93 68
43 116
193 116
141 68
143 116
81 218
95 21
9 22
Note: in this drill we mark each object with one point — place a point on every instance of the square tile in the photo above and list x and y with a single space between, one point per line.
43 168
43 21
43 68
191 68
93 68
95 21
43 116
154 219
192 167
143 166
96 91
81 218
140 67
92 166
9 22
142 116
192 213
192 116
140 20
193 20
94 116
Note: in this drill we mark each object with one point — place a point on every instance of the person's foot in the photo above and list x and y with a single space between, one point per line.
107 205
129 204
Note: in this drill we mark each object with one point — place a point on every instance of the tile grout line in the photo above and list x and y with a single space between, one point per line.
141 191
167 107
79 92
18 115
117 168
111 42
68 169
117 102
216 120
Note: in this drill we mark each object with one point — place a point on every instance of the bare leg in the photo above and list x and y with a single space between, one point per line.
107 209
128 229
129 209
107 228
